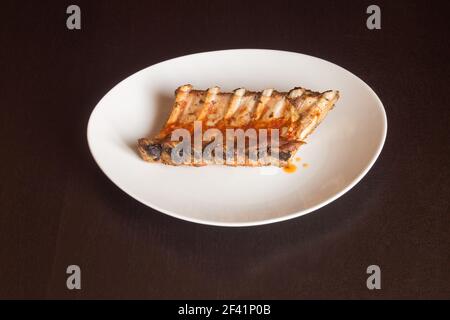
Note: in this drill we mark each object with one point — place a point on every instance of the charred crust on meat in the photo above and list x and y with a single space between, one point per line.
285 155
154 150
167 150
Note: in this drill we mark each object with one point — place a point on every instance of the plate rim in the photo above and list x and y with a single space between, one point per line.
300 213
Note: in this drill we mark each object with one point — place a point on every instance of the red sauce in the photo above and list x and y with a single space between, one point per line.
290 168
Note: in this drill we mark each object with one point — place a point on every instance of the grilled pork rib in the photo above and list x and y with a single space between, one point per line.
295 114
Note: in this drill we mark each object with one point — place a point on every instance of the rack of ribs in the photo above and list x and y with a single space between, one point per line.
287 118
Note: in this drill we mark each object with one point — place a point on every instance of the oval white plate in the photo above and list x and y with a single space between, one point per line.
339 152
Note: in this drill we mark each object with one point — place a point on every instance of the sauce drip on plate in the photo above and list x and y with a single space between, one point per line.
290 168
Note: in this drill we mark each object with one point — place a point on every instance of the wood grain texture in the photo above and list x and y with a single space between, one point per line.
58 208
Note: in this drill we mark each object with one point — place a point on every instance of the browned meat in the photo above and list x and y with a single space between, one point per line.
295 114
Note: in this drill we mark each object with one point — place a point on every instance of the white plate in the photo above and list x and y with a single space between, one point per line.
339 152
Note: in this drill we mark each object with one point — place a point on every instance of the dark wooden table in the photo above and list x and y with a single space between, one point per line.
58 208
